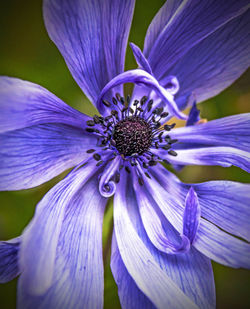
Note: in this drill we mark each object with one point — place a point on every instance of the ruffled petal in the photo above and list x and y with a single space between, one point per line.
9 268
223 156
61 254
232 131
130 296
92 37
206 57
25 104
215 243
142 77
137 258
33 155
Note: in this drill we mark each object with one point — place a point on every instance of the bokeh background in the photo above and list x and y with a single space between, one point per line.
27 52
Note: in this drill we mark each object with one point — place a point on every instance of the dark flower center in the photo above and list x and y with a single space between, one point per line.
132 135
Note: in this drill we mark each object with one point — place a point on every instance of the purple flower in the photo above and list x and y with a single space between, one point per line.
165 231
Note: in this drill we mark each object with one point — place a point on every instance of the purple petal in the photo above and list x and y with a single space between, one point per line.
232 131
192 213
138 260
206 57
40 239
194 115
216 62
158 23
33 155
155 225
223 156
140 59
9 259
129 294
139 76
25 104
215 243
92 37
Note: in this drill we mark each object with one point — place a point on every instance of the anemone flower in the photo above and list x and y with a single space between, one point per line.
165 232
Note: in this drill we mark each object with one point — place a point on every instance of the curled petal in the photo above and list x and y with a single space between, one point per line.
156 226
141 264
107 185
140 59
144 78
192 213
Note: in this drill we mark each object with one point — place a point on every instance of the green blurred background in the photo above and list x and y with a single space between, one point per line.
27 52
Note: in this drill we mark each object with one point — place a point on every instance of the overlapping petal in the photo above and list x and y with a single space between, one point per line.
205 46
61 245
168 192
129 294
33 155
40 135
9 268
186 270
223 156
232 131
24 104
92 37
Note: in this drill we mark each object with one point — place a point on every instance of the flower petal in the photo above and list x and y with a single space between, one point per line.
232 131
129 294
78 268
140 59
210 240
9 259
92 37
223 156
192 213
25 104
40 238
199 53
142 77
139 261
156 226
214 64
33 155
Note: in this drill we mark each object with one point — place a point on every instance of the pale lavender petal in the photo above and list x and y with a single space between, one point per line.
40 238
155 225
225 203
139 261
77 273
92 37
232 131
210 240
192 214
26 104
142 77
193 45
33 155
9 268
223 156
130 295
